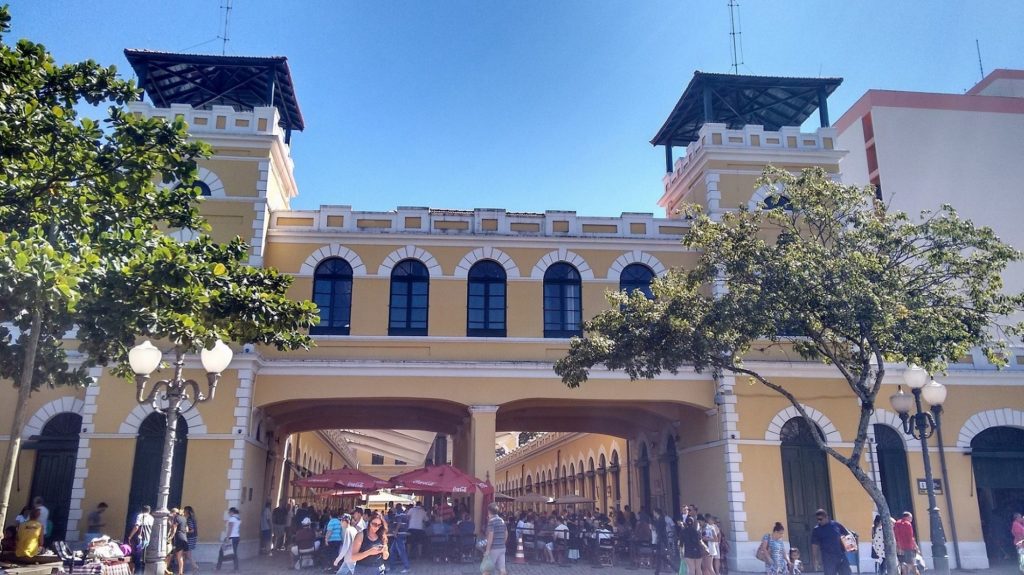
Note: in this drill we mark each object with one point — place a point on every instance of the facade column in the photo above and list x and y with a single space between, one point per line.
736 497
482 421
75 511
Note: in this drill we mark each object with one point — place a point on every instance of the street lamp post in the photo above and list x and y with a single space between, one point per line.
921 425
171 397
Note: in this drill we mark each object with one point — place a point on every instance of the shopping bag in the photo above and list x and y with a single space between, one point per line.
919 562
487 565
227 551
682 567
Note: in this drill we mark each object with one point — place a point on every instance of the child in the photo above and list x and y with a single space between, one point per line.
796 566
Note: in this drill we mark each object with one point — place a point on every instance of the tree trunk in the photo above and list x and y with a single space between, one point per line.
882 506
24 392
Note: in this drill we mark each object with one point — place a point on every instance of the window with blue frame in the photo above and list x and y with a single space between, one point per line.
486 301
410 294
637 277
332 293
563 310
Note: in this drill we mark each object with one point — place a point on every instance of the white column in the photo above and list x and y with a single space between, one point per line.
75 511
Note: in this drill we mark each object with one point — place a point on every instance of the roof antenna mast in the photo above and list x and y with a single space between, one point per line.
227 17
977 46
736 34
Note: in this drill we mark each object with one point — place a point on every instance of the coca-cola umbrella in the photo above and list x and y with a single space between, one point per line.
344 478
441 479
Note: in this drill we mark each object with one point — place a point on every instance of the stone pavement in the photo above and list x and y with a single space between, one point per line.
280 564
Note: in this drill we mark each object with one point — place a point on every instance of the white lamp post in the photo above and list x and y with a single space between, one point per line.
166 396
921 428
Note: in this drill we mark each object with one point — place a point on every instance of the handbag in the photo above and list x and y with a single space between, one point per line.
919 562
849 543
227 551
762 551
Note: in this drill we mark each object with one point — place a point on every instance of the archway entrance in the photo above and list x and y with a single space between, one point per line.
672 461
644 465
54 473
805 479
149 448
892 469
997 455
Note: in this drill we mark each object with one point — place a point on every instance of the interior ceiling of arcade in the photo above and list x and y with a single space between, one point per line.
371 424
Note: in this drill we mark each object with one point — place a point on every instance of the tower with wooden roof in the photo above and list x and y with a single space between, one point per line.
246 108
730 126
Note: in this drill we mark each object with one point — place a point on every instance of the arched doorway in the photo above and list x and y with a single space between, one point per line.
805 480
149 449
997 455
53 475
644 466
616 486
672 461
892 469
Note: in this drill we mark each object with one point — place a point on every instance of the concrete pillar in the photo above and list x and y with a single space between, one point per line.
481 431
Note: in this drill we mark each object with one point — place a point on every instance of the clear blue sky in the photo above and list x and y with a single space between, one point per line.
528 104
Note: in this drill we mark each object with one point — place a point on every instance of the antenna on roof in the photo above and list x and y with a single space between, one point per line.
736 34
977 46
224 37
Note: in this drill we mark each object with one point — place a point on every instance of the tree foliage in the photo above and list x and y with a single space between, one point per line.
83 259
832 276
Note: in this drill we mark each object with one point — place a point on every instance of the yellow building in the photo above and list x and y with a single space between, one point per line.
444 324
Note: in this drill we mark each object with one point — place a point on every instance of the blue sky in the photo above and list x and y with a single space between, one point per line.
528 104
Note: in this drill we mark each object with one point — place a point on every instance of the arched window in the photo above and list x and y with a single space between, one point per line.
204 188
410 292
485 306
146 466
563 313
637 277
332 293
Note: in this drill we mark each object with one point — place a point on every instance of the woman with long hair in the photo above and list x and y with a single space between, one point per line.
693 547
773 551
878 545
370 548
193 538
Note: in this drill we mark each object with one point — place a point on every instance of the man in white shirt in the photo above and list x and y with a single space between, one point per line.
44 514
349 532
417 529
143 530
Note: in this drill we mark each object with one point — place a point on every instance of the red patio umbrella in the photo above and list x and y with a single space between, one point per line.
441 479
344 478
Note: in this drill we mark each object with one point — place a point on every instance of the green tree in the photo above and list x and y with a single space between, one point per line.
82 206
831 275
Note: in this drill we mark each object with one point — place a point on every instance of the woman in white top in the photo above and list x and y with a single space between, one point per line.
231 528
709 535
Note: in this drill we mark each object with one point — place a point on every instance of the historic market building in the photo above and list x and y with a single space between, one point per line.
448 321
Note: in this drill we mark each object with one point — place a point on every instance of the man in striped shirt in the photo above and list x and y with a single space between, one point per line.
494 550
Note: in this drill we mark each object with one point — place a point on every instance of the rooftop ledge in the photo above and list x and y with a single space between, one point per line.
262 121
481 221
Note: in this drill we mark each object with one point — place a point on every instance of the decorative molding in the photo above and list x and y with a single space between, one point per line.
330 251
824 424
886 417
562 255
410 252
636 257
130 425
487 253
66 404
983 420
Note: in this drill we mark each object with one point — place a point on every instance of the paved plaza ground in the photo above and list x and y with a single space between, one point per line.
280 564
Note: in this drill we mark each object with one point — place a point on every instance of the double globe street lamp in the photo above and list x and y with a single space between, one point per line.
171 397
921 425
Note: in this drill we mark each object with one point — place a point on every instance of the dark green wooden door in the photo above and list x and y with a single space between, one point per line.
892 470
53 475
805 481
149 447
